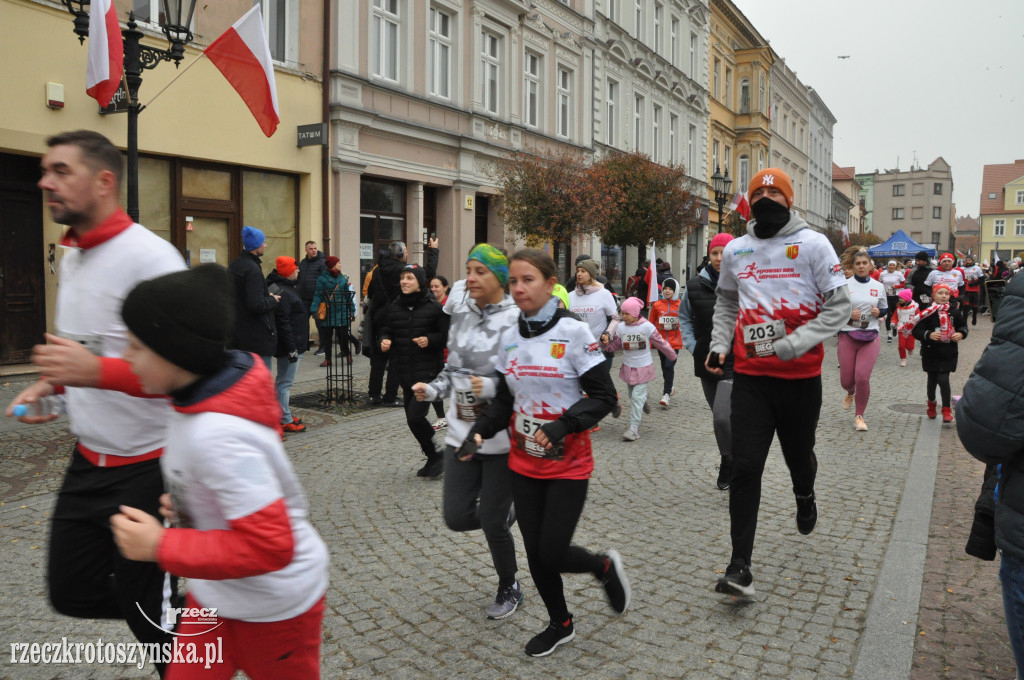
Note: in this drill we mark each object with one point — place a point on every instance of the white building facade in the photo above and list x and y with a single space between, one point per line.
791 120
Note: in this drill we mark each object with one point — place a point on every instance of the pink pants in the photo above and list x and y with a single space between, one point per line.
856 361
906 344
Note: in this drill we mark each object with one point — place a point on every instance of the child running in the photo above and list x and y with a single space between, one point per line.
241 533
665 317
906 309
635 337
939 327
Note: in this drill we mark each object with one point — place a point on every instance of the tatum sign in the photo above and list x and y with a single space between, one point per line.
312 135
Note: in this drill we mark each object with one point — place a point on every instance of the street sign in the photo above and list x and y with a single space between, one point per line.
312 135
119 102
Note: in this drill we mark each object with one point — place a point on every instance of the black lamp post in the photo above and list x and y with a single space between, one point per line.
176 22
721 184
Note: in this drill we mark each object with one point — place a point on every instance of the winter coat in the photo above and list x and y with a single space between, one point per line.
922 293
990 417
696 309
309 272
383 287
291 316
335 292
939 356
412 316
255 328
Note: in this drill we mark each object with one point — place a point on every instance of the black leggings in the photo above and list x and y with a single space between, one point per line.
892 301
416 419
547 511
940 378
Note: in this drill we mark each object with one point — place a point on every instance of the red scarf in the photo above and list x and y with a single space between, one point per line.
944 324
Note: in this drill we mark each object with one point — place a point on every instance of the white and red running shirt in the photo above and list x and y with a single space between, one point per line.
543 375
954 278
781 284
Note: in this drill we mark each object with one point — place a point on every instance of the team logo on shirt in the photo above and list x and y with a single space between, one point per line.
557 350
792 251
749 272
743 253
837 268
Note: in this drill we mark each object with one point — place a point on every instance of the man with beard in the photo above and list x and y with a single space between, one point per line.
922 292
781 292
309 271
120 437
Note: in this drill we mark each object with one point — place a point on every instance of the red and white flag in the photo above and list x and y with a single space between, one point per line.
651 278
106 52
740 205
243 56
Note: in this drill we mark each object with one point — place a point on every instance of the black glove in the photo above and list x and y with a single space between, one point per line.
468 448
293 356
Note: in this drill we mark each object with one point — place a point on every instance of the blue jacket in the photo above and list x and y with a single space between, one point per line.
335 292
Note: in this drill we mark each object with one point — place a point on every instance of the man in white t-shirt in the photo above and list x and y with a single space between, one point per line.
120 436
781 292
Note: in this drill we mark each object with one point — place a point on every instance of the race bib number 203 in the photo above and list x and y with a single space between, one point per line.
759 338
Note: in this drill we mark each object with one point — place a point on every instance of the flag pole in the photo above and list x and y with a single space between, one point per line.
183 72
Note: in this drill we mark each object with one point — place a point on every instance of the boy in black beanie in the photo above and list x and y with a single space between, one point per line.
243 540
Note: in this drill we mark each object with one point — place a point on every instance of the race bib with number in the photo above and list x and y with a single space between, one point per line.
890 291
467 405
634 341
759 338
526 428
668 323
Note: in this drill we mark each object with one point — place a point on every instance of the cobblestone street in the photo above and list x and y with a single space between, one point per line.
407 595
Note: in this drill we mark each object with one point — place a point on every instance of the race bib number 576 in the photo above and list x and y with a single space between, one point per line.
759 338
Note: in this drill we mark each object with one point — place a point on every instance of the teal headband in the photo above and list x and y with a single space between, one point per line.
492 258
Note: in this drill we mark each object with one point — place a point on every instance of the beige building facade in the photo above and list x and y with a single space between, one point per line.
1001 219
919 201
205 167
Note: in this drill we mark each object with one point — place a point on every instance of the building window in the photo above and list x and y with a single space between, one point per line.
659 11
613 10
656 136
532 91
277 24
916 213
999 228
760 100
1018 227
936 237
691 150
744 96
638 122
563 89
385 33
917 189
744 174
638 20
491 69
899 190
991 195
673 138
1020 197
728 88
673 37
693 56
440 55
897 213
718 65
937 212
937 188
727 160
714 155
611 124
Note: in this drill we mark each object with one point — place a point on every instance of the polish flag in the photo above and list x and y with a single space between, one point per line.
740 205
651 278
106 52
243 56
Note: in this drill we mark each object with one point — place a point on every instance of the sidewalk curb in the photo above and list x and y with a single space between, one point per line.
887 649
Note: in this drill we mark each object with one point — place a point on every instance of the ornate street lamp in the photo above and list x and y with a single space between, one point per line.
176 22
721 184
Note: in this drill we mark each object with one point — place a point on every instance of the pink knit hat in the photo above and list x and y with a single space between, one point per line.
906 295
719 240
632 306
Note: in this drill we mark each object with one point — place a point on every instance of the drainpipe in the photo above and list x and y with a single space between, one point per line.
325 149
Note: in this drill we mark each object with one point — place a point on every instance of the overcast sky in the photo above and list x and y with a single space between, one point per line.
924 77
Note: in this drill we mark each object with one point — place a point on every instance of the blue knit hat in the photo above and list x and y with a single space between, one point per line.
252 238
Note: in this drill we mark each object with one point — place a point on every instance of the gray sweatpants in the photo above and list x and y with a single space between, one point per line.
718 394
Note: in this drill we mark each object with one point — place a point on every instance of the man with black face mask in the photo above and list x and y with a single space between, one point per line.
781 292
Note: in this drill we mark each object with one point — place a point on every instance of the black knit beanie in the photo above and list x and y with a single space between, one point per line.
185 317
419 272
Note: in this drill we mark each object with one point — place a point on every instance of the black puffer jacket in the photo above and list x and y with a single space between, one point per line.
291 317
255 328
990 417
700 294
412 316
939 356
917 278
309 271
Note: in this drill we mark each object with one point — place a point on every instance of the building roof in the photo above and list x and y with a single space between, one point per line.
993 179
965 225
841 174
